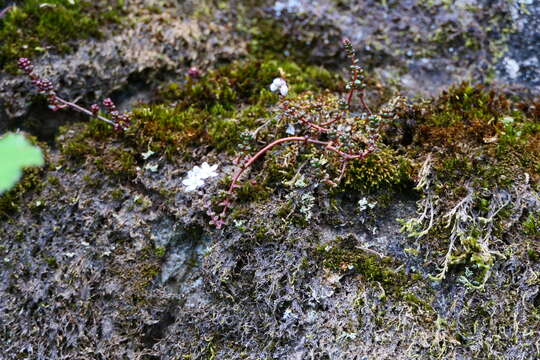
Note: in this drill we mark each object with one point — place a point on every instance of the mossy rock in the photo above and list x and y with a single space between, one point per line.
213 111
36 26
345 256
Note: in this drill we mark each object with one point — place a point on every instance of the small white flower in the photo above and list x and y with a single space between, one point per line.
281 85
206 171
290 129
192 183
196 176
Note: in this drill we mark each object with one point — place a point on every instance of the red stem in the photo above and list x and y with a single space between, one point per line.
83 110
361 96
305 139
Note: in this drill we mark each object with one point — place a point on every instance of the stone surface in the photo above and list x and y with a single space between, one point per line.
93 267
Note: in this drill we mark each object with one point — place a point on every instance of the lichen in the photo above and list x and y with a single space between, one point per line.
480 156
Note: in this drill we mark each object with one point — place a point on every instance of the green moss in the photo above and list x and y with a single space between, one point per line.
119 162
117 194
217 109
534 255
51 261
467 103
343 255
531 225
479 144
160 252
382 169
53 180
483 136
93 182
416 301
85 142
247 82
269 38
10 201
35 26
249 192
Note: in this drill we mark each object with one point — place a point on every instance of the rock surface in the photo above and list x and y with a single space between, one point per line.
96 266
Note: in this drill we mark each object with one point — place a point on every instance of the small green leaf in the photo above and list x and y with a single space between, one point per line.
16 153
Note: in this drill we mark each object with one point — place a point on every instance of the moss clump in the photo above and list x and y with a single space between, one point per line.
270 38
478 135
214 111
467 104
343 255
246 82
85 143
32 179
35 26
9 201
119 162
531 225
480 153
382 169
217 109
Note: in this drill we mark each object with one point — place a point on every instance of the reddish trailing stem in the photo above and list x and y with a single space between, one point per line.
331 145
120 121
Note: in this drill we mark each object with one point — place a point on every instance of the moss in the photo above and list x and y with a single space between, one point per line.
160 252
344 255
118 162
416 301
10 201
84 142
221 106
531 225
93 182
247 81
483 137
36 26
249 192
139 275
479 145
466 103
270 38
51 261
117 194
382 169
53 180
534 255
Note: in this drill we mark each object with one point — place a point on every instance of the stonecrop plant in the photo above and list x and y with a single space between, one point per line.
333 134
345 133
120 121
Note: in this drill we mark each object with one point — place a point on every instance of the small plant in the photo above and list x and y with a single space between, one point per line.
120 121
347 139
346 142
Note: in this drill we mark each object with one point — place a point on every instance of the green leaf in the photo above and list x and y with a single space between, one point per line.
16 153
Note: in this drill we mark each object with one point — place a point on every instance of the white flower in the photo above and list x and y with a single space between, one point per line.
192 183
290 129
281 85
206 171
196 176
